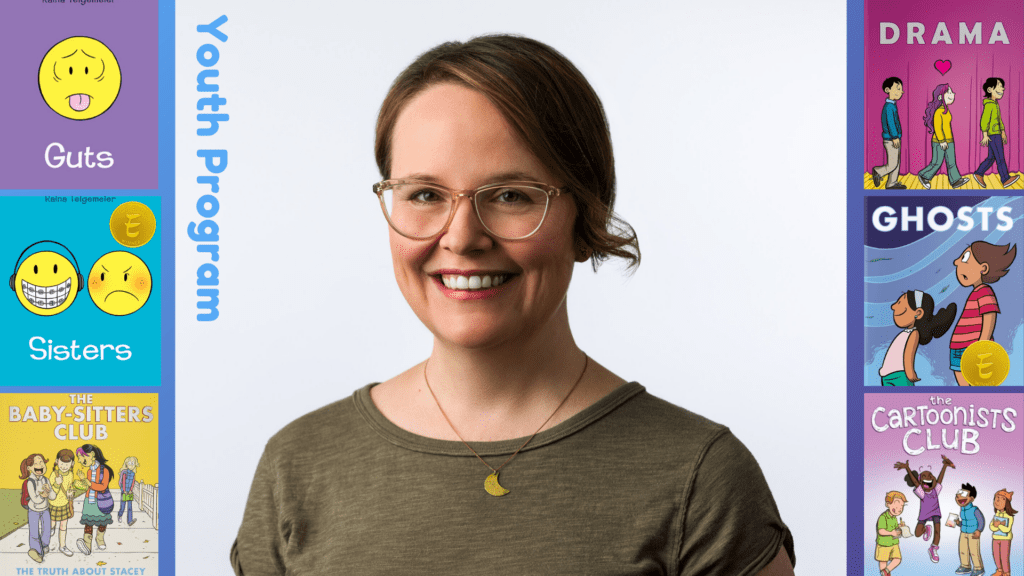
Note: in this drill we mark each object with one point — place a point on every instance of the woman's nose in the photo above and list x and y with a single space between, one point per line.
465 232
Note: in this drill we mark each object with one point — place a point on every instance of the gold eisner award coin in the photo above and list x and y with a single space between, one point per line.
132 224
985 363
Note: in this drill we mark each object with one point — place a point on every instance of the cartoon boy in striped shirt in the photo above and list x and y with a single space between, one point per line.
979 265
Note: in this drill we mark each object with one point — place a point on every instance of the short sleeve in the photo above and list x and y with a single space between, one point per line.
731 524
258 549
919 492
987 300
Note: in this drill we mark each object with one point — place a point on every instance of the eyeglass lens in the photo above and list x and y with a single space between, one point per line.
420 210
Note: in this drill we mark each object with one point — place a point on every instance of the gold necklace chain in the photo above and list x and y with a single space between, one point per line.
491 483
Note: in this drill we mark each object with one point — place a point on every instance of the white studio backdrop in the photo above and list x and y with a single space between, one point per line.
728 125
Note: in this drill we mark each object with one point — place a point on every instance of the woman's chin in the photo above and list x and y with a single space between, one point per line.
471 335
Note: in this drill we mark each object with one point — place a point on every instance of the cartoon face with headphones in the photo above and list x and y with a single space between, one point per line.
46 283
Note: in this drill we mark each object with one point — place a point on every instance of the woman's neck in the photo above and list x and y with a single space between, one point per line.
497 393
508 390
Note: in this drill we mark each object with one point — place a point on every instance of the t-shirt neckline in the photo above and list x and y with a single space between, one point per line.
398 436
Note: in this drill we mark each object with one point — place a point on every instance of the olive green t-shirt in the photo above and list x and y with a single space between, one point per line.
630 485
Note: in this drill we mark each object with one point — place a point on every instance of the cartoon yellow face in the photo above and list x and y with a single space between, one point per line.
120 283
79 78
46 283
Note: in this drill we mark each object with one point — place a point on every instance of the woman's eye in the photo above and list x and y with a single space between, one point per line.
103 276
425 195
126 277
510 195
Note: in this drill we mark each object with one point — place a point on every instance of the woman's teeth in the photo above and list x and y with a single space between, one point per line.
456 282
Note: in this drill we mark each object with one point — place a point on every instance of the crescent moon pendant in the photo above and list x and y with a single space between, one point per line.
492 487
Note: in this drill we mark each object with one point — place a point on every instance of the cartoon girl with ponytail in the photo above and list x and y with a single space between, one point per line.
913 312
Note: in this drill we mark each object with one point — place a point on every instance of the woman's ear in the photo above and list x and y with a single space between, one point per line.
583 252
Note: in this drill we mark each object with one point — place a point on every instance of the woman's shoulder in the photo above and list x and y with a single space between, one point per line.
663 418
651 427
317 430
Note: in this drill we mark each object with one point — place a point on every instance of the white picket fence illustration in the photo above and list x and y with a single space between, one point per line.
148 497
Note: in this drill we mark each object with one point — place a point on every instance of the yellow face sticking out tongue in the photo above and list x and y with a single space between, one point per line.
79 78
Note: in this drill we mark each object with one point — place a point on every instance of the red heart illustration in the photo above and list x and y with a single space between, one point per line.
943 66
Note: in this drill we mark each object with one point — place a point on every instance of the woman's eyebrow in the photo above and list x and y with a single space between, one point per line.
515 175
493 178
419 176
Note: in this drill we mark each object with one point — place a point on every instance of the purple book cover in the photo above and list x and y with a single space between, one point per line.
941 456
50 148
932 48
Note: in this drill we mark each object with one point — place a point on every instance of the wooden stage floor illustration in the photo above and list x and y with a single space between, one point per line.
941 182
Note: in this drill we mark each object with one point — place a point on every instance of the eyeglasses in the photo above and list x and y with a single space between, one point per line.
421 210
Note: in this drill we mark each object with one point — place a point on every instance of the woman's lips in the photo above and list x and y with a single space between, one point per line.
473 286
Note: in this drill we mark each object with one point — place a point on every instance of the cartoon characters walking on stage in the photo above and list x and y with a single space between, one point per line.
938 122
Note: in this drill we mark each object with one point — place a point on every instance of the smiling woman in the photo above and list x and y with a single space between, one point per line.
498 178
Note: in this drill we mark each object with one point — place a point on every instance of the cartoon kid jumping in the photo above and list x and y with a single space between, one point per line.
913 313
979 265
927 487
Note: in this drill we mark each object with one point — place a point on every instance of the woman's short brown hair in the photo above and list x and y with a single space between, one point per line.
552 108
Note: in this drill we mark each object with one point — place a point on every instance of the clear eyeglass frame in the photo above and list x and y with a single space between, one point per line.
549 191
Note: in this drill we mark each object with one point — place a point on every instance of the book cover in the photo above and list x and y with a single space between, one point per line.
80 483
943 88
940 274
939 470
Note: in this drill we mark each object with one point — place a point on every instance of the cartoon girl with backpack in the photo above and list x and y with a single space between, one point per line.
35 496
